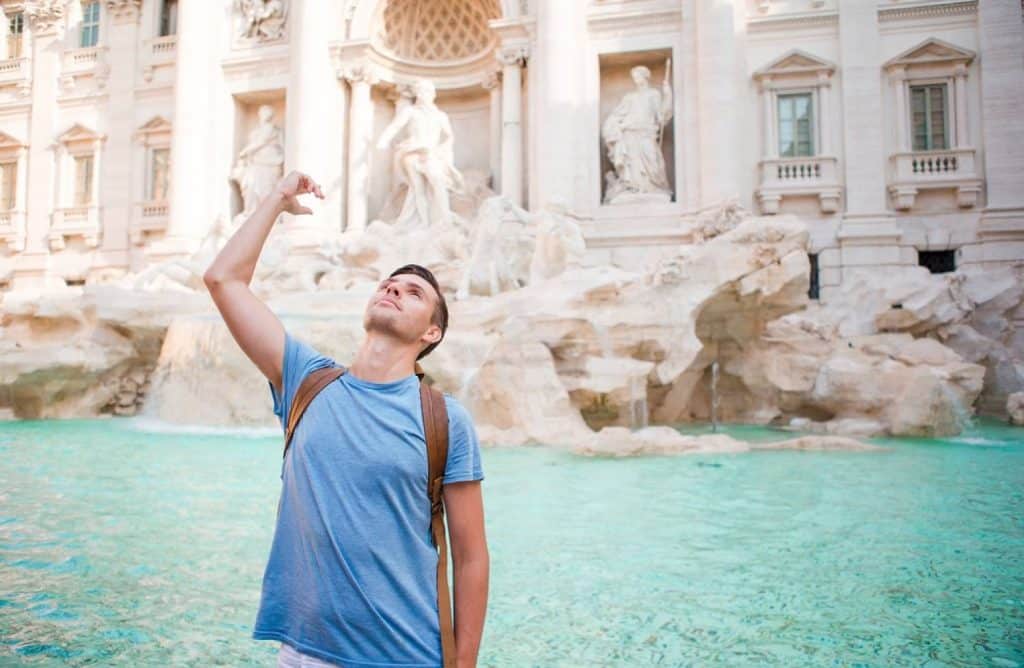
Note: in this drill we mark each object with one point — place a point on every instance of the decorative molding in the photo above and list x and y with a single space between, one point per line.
491 80
44 15
931 51
360 73
157 127
795 61
928 10
801 21
512 54
122 11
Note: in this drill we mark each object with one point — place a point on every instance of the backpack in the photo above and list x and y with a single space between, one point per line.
435 426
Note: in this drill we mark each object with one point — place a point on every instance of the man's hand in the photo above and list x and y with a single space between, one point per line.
293 185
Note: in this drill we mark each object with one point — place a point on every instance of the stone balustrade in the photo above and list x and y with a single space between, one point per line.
810 175
159 53
14 70
12 229
72 221
150 216
946 169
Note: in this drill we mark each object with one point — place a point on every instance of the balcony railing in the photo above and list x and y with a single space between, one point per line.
13 70
83 60
72 221
150 216
787 177
159 53
12 229
947 169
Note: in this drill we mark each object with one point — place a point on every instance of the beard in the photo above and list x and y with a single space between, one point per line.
388 324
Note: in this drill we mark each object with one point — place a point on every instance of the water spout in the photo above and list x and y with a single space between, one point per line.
638 402
714 396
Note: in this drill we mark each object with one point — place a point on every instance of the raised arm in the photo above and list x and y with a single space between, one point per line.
393 128
254 326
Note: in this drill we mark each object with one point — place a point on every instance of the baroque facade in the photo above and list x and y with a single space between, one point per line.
891 126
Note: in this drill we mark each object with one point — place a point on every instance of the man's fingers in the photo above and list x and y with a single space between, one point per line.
318 191
302 210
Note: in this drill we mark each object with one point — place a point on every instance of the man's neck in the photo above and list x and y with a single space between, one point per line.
382 359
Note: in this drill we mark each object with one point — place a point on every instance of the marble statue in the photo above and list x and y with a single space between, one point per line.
511 248
632 134
261 162
424 158
185 274
491 266
263 20
559 243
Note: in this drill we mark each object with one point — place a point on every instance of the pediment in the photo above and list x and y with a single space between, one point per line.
932 50
9 142
795 61
78 133
156 126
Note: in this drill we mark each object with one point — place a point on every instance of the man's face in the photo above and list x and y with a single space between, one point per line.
402 307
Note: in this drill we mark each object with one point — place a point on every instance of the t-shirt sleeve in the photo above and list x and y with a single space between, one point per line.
299 360
463 446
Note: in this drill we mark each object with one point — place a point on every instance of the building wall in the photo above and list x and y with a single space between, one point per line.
574 56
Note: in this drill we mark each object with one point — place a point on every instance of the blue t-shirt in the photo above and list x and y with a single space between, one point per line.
351 577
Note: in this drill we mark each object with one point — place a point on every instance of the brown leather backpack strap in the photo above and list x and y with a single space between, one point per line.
435 429
309 388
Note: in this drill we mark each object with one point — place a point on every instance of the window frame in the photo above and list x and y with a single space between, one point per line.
947 96
90 25
15 36
812 135
163 22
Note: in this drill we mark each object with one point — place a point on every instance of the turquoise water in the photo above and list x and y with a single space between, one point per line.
123 547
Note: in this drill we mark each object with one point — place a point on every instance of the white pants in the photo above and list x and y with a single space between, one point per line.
289 657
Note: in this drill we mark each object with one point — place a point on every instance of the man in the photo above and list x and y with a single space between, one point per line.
351 578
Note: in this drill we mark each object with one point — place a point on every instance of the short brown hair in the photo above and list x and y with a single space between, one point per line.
440 315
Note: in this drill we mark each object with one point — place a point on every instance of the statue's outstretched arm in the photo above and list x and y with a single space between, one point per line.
393 128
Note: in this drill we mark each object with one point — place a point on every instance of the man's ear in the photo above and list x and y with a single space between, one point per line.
432 335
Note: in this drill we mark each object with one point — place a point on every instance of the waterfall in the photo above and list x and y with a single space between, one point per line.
638 402
714 396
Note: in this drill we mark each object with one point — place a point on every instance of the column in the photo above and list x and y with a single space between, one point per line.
864 154
825 113
899 83
511 59
116 186
559 164
717 93
490 84
313 113
360 118
768 118
190 174
960 92
1002 99
44 19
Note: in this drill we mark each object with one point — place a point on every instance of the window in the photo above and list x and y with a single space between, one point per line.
168 17
158 174
815 289
928 117
83 180
8 185
90 24
15 30
937 262
796 125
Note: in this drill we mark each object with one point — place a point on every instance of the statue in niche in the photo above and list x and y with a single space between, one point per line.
262 20
424 158
632 134
261 162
